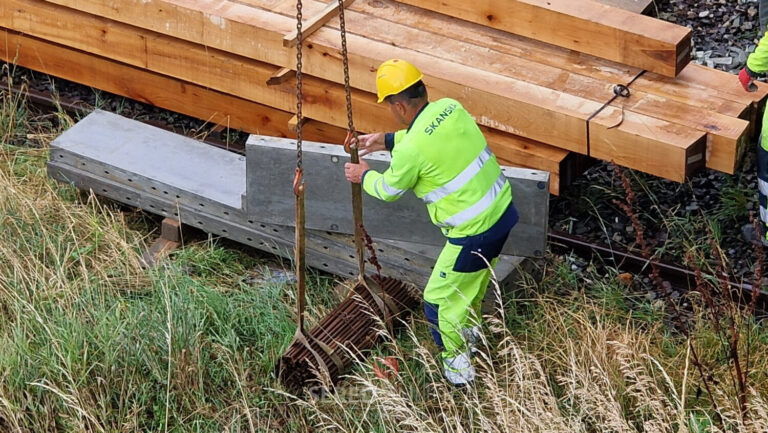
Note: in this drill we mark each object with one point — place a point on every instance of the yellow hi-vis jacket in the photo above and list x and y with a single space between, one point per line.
757 64
444 158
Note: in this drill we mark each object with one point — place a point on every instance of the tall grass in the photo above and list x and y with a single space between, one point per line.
574 369
89 341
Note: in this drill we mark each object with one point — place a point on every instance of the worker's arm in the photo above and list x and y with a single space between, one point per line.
757 66
379 141
392 138
402 174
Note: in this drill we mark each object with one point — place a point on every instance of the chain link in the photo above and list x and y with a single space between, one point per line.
299 114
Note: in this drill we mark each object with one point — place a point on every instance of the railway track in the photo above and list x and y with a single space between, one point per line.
680 278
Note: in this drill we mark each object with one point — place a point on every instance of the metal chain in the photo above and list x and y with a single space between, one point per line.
299 115
357 193
371 250
345 61
298 190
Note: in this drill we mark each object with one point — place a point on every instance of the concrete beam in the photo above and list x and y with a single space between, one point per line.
270 173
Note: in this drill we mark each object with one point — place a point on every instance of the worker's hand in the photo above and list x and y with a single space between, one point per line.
354 172
370 143
746 80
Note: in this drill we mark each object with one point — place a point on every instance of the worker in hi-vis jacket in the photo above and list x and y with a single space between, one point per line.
443 157
757 66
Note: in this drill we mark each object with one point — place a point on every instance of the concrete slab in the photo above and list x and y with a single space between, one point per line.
167 158
269 190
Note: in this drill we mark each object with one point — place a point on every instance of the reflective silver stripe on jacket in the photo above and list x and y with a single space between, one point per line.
763 215
478 208
380 182
762 186
461 179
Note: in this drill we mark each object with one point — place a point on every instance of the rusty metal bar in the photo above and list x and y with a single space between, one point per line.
680 277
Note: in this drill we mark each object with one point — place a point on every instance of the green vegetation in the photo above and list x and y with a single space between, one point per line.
91 342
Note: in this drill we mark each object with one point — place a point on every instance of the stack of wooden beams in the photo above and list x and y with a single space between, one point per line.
538 95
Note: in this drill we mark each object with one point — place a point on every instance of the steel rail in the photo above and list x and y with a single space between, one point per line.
680 277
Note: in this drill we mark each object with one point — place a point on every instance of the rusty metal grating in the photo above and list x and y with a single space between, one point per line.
347 331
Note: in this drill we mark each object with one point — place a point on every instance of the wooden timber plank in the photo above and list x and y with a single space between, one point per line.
314 23
726 134
686 138
534 111
682 159
155 89
505 104
637 6
222 108
498 41
553 80
696 93
726 82
729 87
585 26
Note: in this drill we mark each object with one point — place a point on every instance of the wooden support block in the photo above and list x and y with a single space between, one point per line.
281 76
293 123
169 240
160 248
292 39
170 229
585 26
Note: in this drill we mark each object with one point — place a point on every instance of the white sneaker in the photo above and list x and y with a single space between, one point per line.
474 338
459 370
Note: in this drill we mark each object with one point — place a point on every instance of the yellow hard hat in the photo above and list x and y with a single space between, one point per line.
394 76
